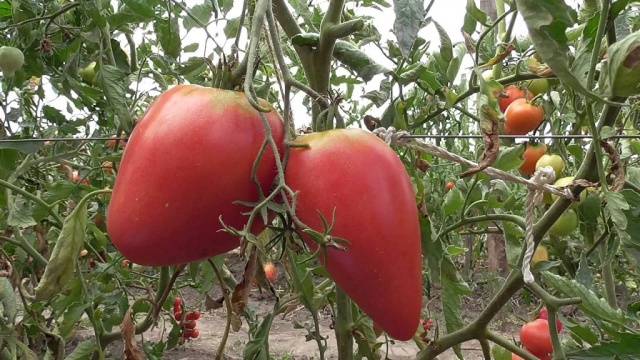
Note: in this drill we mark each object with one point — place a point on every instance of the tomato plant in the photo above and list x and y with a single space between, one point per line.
149 186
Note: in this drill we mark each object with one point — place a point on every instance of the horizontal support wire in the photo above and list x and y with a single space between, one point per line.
426 136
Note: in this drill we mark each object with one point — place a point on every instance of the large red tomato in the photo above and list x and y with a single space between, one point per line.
544 314
531 156
536 338
522 117
510 94
355 174
186 163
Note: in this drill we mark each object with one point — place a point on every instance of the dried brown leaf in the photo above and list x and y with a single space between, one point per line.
128 331
241 292
616 169
491 150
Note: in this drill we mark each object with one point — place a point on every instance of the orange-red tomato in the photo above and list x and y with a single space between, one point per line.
535 337
522 117
189 324
270 272
531 155
450 186
510 94
355 176
186 164
516 357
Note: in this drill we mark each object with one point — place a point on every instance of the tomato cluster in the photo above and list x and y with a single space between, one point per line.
189 324
203 143
521 116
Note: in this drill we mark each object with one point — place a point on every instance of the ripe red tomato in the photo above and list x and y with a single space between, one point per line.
190 333
516 357
186 164
189 324
531 155
450 186
544 314
193 315
522 117
270 272
381 268
510 94
536 338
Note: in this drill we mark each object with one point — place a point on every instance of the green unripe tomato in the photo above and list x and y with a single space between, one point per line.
11 60
565 225
500 353
555 161
538 86
88 73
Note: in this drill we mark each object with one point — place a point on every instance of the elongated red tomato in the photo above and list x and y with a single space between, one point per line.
186 163
363 180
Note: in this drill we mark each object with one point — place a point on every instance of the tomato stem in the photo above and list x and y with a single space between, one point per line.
344 321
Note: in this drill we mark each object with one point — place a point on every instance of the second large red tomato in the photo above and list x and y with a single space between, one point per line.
357 176
186 163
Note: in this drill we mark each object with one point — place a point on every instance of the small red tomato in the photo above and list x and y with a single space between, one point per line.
195 333
510 94
177 314
531 156
193 315
189 324
270 272
125 263
536 338
426 325
190 333
450 185
177 303
544 314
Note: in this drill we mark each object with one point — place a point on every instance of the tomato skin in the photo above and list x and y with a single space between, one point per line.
510 94
565 225
186 163
516 357
522 117
535 337
531 156
381 268
194 315
555 161
270 272
450 186
541 254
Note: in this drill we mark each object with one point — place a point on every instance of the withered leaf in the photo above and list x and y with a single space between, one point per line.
128 331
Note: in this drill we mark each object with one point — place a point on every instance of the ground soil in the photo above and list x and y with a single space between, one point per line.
287 342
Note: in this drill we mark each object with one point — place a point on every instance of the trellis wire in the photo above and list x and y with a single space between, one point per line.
408 136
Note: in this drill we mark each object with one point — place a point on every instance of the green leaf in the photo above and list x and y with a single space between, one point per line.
26 147
54 115
141 7
509 158
633 218
114 83
191 47
71 316
453 290
258 347
64 256
453 202
547 22
83 351
365 66
202 12
231 28
592 305
615 205
168 33
432 249
19 213
409 17
624 349
624 66
476 13
446 48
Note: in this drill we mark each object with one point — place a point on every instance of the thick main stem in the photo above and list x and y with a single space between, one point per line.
344 322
